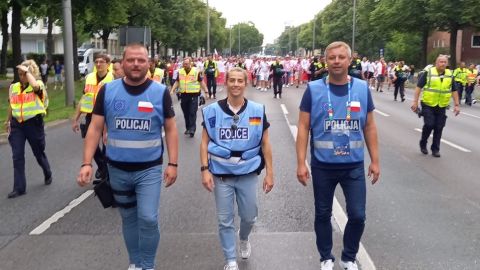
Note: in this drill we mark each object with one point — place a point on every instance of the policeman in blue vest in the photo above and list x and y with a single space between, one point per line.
339 112
235 148
135 110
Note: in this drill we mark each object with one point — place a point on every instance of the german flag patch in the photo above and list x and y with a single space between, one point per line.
255 121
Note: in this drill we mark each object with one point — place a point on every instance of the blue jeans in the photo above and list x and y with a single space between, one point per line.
140 224
244 188
353 185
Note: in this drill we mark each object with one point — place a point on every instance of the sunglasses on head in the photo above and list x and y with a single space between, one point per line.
235 118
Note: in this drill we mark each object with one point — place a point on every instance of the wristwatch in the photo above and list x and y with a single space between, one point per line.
203 168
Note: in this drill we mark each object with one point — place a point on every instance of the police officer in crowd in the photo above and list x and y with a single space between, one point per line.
28 102
355 68
117 70
190 83
436 85
211 71
460 77
338 110
235 148
134 110
93 83
472 74
155 73
318 68
277 72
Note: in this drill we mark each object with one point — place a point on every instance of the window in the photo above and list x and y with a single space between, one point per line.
476 41
45 22
40 46
443 43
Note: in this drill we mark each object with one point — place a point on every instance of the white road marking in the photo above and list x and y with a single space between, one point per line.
471 115
47 223
450 143
339 215
381 113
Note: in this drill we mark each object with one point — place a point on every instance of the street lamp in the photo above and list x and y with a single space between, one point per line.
353 26
230 50
208 29
239 38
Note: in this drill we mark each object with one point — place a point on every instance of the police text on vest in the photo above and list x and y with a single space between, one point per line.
241 133
341 124
134 124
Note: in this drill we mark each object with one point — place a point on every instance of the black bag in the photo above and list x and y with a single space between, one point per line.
83 130
104 193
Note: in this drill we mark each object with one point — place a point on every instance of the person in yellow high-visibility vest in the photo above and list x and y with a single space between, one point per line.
460 77
28 99
93 83
154 73
472 74
190 84
436 85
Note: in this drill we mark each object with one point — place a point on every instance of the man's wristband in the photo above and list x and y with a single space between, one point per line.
203 168
173 164
86 164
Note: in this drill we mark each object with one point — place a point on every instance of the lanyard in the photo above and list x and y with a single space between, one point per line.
330 107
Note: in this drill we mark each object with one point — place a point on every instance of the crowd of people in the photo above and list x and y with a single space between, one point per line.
127 104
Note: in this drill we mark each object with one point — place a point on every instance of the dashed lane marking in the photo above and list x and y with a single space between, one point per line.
450 143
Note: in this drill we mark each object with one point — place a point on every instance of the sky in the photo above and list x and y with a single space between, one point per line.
269 16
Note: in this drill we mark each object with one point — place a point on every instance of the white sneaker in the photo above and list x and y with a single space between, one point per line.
132 267
259 88
231 266
245 249
326 265
348 265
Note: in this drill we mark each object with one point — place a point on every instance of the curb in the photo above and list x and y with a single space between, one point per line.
49 125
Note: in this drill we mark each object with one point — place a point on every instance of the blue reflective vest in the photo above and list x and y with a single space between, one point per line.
338 140
235 146
134 123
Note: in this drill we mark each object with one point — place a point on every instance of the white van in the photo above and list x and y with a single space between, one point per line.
85 59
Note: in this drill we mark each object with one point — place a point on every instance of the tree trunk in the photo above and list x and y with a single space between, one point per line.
425 34
49 45
453 46
16 45
76 72
5 38
152 50
105 35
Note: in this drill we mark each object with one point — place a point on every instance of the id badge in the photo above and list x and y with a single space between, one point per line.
341 144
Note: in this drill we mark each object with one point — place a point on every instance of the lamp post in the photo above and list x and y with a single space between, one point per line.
353 26
230 50
239 38
208 29
313 38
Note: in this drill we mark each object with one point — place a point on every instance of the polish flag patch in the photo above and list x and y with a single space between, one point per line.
355 106
145 106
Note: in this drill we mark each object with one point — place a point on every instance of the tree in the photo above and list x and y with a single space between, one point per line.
452 16
5 37
248 36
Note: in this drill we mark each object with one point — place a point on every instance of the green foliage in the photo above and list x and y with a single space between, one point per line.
250 38
432 56
403 46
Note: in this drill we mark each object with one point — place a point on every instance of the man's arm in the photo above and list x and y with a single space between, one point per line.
171 139
207 177
91 143
371 140
301 146
267 155
174 87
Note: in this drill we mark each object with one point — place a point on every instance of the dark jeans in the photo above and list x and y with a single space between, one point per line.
189 104
468 94
353 185
399 85
434 118
32 131
99 155
277 86
212 85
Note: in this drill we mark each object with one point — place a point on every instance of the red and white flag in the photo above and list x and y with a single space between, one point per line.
145 106
355 106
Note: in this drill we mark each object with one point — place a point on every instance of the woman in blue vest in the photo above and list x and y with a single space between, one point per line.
235 148
338 110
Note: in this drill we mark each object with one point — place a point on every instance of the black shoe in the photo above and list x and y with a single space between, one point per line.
424 150
436 154
15 194
192 134
403 99
48 180
186 132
